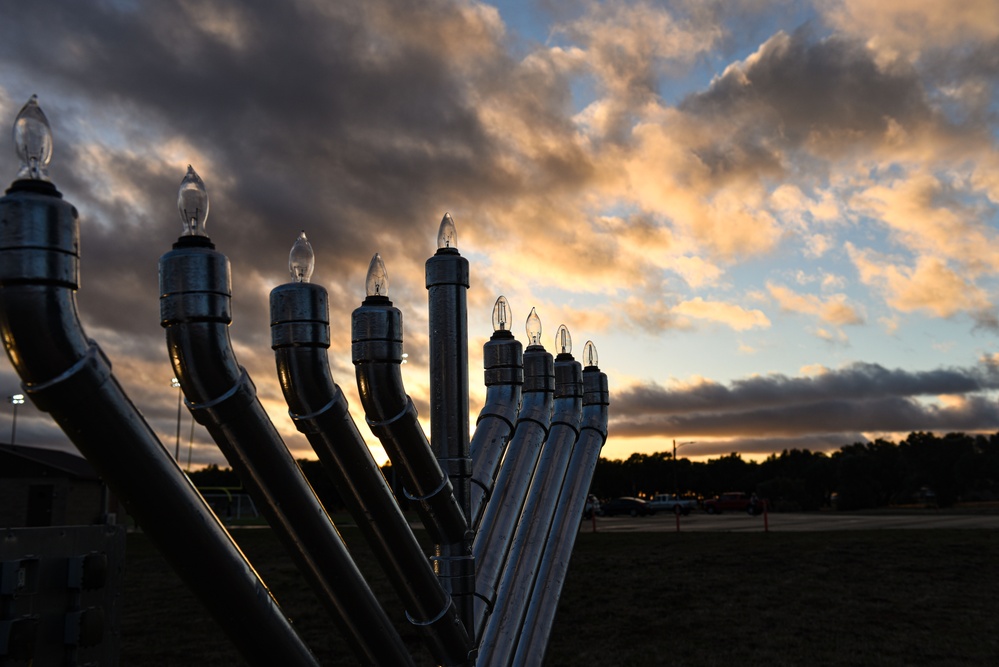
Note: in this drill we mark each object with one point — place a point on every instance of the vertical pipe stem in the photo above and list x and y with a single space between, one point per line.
447 285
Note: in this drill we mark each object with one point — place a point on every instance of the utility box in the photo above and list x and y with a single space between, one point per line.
61 595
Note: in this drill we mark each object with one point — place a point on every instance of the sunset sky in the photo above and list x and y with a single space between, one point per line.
776 220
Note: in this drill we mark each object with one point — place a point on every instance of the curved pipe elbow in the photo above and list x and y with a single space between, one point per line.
376 350
68 376
203 361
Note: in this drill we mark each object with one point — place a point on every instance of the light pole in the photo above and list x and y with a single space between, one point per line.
175 383
15 400
676 484
190 446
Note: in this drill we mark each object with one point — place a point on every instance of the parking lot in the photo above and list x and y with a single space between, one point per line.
807 521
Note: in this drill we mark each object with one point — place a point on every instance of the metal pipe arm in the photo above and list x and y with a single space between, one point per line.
69 377
300 338
492 542
533 530
194 283
503 358
376 335
537 625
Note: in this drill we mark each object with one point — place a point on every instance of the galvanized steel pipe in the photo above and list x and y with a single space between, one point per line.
300 337
194 307
492 542
544 598
533 532
68 376
376 349
447 286
503 358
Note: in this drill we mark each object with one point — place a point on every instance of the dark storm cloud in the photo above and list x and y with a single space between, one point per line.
796 89
855 382
320 118
876 414
859 397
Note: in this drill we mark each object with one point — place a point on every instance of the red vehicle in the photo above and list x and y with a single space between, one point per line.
734 501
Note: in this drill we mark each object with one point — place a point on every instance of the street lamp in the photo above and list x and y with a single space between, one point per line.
15 400
175 383
676 484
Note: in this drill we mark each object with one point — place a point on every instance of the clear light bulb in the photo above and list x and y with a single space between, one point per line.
192 202
563 341
533 328
590 354
377 281
33 141
301 259
501 315
447 235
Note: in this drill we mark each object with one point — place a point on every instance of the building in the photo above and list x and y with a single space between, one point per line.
47 487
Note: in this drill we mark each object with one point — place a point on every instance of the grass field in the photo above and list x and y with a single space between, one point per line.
659 599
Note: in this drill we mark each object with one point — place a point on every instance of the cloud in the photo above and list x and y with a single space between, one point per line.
930 285
626 46
832 309
853 382
594 175
837 404
880 414
793 93
907 28
732 315
932 217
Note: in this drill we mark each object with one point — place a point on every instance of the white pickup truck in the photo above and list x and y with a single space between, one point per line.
667 502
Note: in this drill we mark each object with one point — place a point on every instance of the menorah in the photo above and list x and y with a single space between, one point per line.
502 508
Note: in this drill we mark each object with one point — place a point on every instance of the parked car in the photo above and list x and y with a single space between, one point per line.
734 501
668 502
632 506
592 506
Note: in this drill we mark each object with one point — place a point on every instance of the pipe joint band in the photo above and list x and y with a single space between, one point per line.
93 364
571 425
457 468
213 412
486 490
444 484
447 269
300 334
504 375
309 423
39 266
601 432
440 615
502 416
380 427
378 351
185 307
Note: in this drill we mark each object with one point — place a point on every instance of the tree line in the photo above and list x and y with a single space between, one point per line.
922 469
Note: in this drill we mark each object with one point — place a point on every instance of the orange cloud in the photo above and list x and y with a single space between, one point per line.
732 315
929 286
907 28
833 309
928 217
